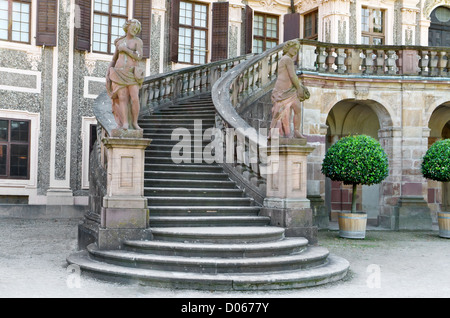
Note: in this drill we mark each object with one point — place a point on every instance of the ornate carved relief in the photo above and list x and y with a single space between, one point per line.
430 5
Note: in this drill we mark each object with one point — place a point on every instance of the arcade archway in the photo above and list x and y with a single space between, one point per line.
439 124
352 117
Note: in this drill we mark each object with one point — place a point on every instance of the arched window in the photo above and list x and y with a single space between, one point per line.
439 32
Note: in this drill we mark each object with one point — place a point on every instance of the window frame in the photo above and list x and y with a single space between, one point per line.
8 144
110 16
315 25
192 27
10 14
264 38
372 34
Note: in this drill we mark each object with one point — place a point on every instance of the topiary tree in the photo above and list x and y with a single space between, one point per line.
356 160
436 162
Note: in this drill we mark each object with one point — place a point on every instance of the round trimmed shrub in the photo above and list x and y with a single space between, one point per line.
356 160
436 162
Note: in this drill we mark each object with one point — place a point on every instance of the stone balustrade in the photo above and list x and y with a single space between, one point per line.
350 59
237 91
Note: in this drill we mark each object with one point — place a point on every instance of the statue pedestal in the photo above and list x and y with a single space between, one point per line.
286 202
124 214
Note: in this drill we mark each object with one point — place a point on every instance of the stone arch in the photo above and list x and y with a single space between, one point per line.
351 116
431 5
439 124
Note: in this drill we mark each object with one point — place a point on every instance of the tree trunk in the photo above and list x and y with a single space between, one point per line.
354 198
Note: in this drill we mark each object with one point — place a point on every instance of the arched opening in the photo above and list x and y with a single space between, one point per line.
439 31
439 124
354 117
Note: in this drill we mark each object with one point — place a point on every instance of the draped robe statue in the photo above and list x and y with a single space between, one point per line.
288 94
125 77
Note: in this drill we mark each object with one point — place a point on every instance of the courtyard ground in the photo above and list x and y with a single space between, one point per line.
387 264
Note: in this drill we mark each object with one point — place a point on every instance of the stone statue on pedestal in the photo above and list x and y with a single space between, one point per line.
288 94
125 77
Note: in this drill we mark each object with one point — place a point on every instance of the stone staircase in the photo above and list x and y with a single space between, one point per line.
207 233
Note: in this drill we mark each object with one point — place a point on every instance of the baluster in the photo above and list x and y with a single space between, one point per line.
340 60
442 64
380 61
168 89
161 90
353 61
321 58
248 88
368 61
423 64
433 70
330 60
391 62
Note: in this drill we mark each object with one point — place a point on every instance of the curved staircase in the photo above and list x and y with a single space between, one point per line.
207 233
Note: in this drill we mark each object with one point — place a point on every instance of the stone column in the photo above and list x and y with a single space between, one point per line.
286 202
412 211
316 180
124 214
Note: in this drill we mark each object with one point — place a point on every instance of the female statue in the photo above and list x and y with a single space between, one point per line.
124 76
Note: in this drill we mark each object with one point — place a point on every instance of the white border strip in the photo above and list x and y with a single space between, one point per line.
37 89
88 79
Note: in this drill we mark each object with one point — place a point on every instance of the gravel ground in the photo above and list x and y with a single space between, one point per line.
386 264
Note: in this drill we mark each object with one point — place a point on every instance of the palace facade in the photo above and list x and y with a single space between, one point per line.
54 56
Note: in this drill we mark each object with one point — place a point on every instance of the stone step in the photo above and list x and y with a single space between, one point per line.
181 121
183 167
161 159
194 112
310 257
189 155
191 175
192 192
170 146
199 201
161 182
199 221
219 235
180 115
334 269
190 210
191 108
166 125
284 247
165 132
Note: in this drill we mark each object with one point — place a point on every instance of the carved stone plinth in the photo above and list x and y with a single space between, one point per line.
286 202
124 214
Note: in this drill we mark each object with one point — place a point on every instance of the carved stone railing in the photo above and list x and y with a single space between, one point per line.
237 91
350 59
167 88
245 147
157 91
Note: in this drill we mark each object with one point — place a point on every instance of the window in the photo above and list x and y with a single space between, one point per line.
311 22
109 17
192 34
14 149
372 26
265 30
15 18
